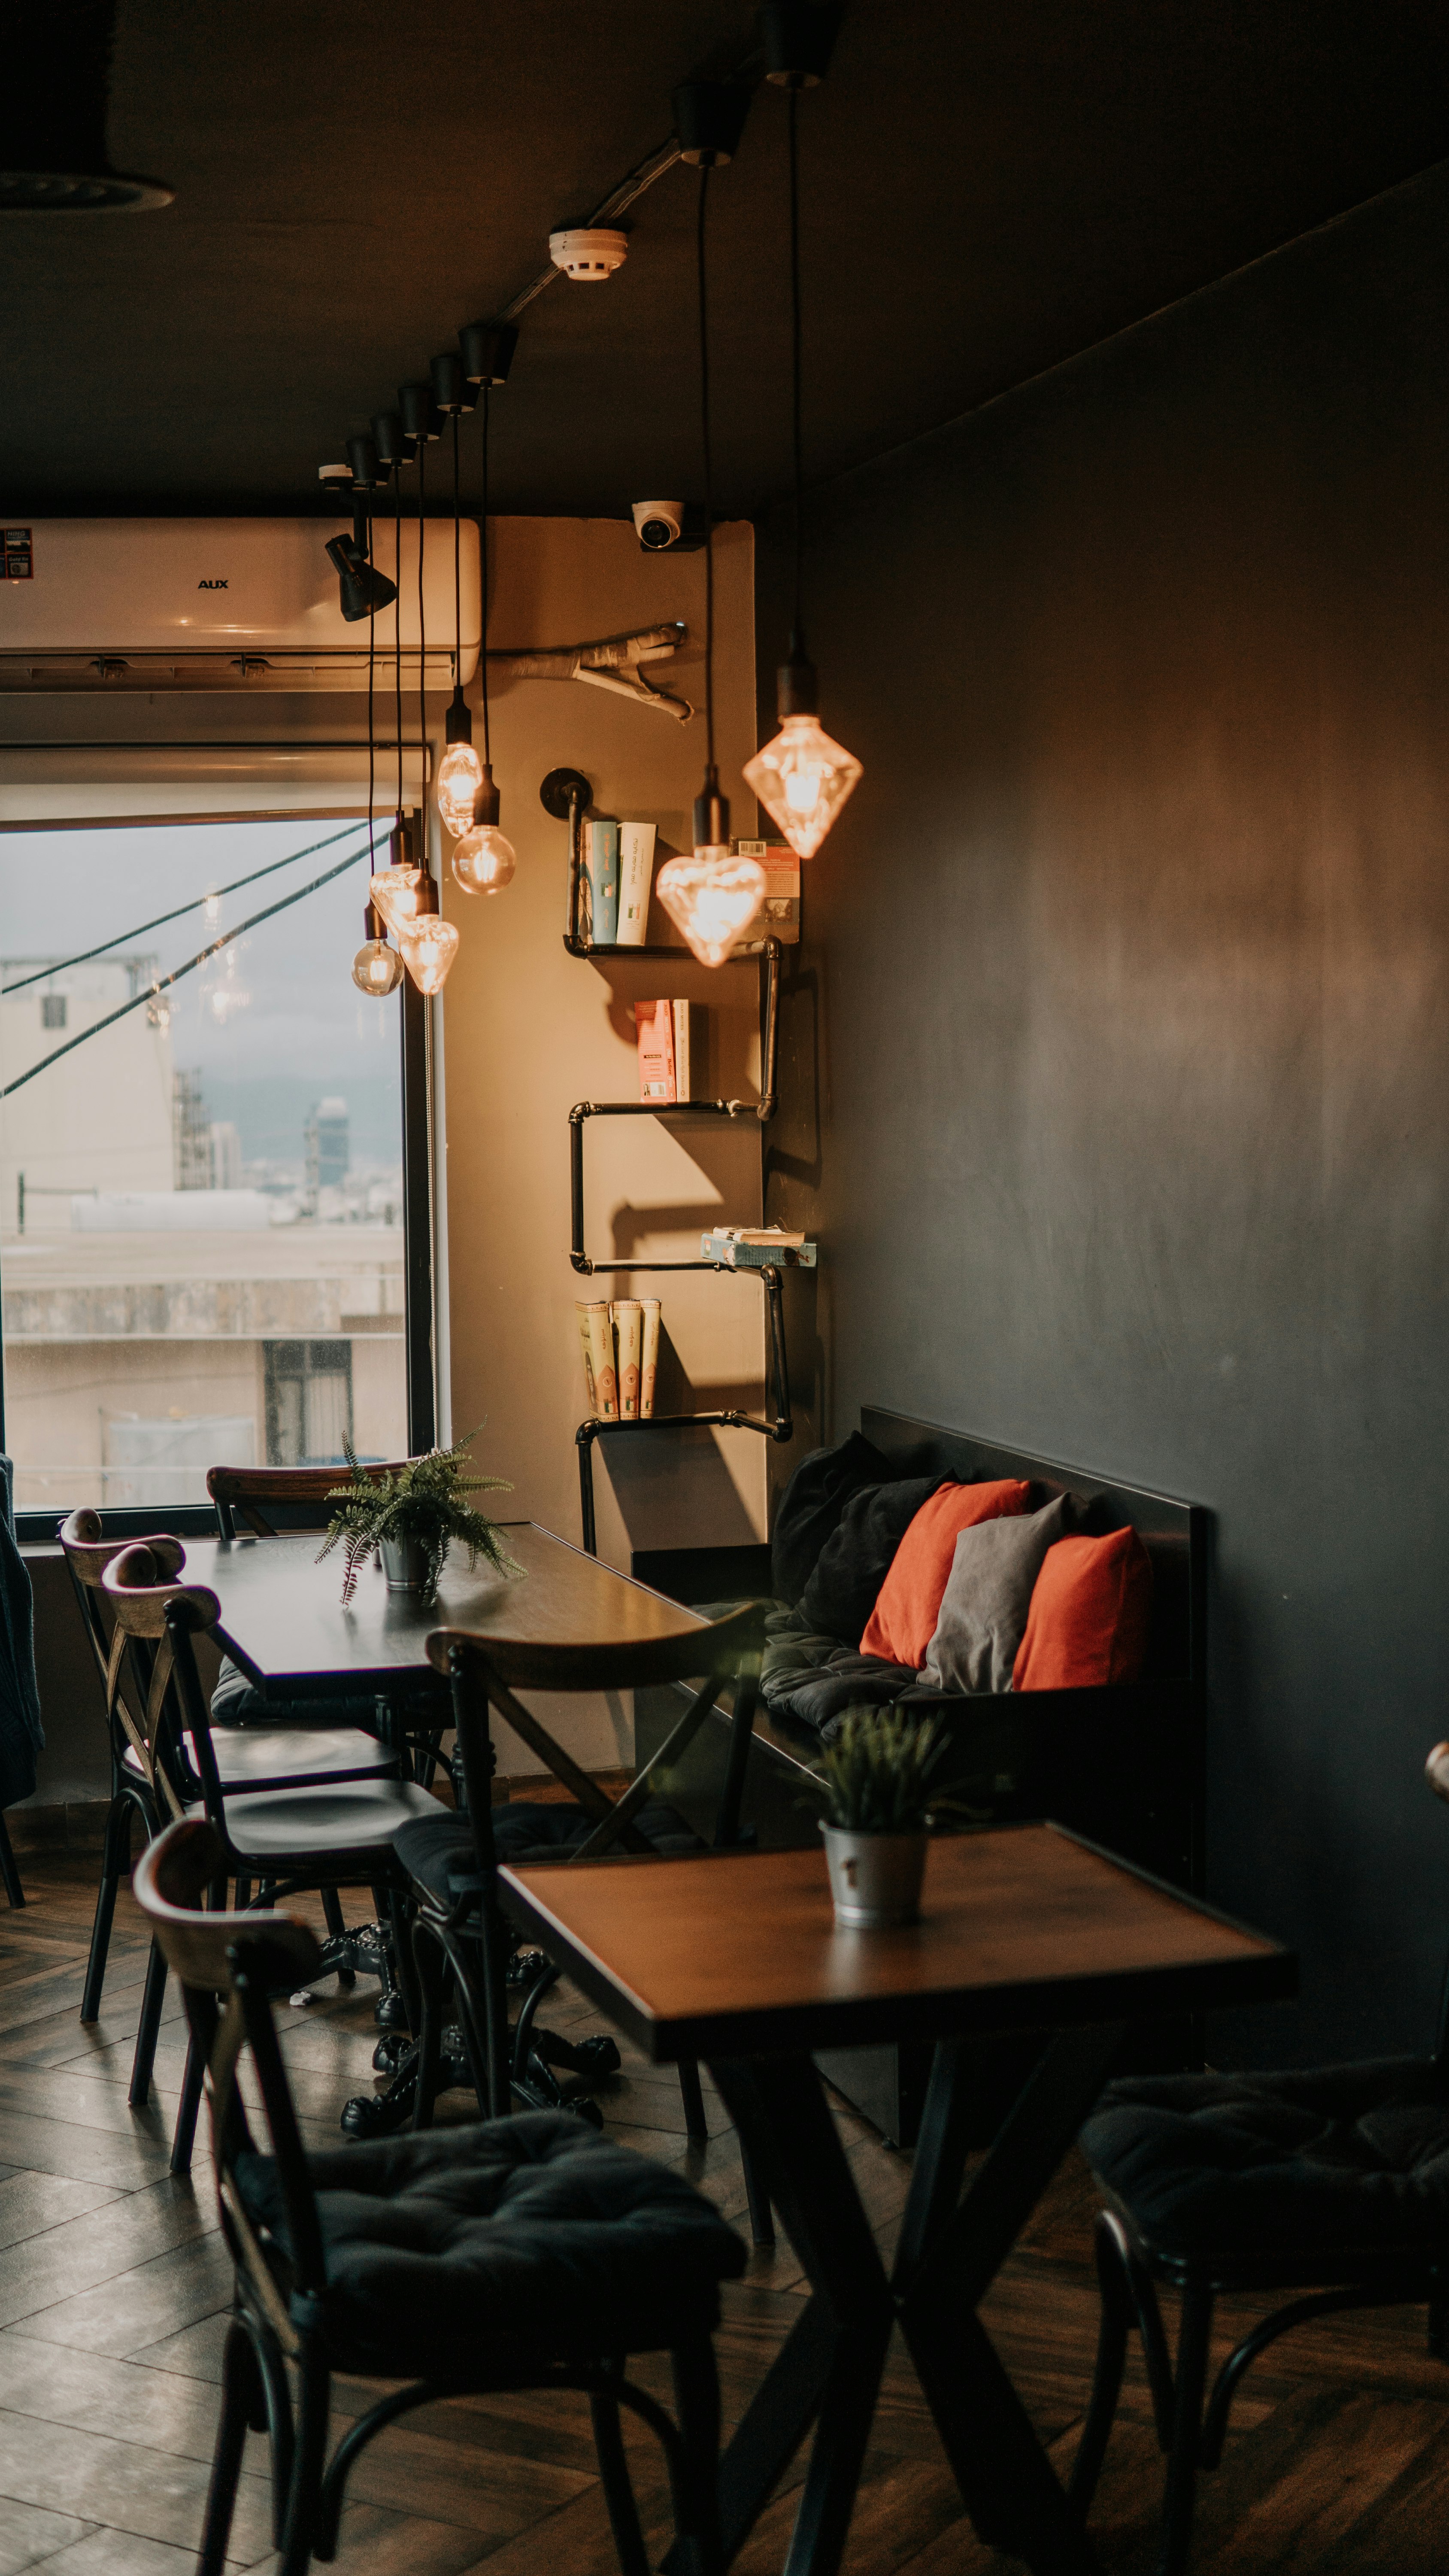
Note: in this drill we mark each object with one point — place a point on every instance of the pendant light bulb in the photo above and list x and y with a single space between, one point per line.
460 775
711 894
484 860
396 891
377 968
429 945
802 778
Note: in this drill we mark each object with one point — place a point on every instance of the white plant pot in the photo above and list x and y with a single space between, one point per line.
875 1879
405 1564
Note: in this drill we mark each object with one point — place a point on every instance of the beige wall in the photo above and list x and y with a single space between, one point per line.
529 1030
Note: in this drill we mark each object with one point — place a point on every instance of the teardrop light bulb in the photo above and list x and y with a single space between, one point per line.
484 861
712 896
460 775
377 969
802 779
397 894
429 945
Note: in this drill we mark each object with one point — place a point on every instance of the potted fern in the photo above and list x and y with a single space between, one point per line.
878 1780
411 1517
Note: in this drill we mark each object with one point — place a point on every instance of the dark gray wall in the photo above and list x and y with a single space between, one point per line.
1118 1060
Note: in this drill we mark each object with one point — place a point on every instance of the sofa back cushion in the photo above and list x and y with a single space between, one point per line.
987 1599
908 1605
1089 1617
855 1560
808 1512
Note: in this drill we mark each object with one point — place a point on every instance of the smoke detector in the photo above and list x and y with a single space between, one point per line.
588 256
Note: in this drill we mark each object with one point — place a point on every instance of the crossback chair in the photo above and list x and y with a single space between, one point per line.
453 1859
326 1834
153 1781
519 2254
1331 2182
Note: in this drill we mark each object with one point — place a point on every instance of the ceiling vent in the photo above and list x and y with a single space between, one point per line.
220 604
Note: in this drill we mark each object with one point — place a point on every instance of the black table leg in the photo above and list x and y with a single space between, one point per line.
828 2372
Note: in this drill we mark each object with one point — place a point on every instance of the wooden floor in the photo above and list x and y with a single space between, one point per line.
114 2287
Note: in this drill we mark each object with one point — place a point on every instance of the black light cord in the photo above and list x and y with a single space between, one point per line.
213 948
397 617
708 475
371 727
179 911
457 570
483 584
797 638
422 623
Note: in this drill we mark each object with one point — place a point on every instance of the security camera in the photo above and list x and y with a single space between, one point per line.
658 524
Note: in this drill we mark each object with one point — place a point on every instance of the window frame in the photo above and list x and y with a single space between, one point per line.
37 1528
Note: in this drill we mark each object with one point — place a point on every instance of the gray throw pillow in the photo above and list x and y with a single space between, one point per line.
987 1596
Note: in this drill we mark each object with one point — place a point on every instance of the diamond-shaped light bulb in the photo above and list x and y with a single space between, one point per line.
712 896
429 945
802 779
397 894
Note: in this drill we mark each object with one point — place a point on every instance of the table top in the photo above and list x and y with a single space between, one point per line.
283 1622
1024 1926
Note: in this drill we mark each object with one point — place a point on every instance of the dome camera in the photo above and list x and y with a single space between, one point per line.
658 524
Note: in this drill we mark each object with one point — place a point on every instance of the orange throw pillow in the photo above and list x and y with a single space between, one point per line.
908 1605
1089 1615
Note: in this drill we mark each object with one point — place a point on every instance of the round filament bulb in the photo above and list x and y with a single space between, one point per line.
483 862
377 969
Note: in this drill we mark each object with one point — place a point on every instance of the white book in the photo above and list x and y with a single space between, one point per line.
636 877
689 1050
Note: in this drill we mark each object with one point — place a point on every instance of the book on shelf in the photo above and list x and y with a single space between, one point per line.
654 1030
629 1341
603 875
649 1358
691 1070
636 877
779 913
758 1247
596 1332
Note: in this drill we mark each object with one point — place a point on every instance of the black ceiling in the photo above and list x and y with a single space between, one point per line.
987 190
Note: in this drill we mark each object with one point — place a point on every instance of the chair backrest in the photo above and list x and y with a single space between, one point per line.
300 1492
160 1620
227 1965
490 1671
124 1671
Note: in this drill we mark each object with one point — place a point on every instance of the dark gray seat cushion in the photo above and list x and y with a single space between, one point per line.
982 1618
808 1511
531 2238
856 1558
438 1851
1318 2163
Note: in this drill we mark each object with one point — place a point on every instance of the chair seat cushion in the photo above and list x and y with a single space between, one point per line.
439 1856
1330 2159
286 1757
344 1817
473 2247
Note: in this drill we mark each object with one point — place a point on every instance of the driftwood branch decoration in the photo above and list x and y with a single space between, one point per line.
612 662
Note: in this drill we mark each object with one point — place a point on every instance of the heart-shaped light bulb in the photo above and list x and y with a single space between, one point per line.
429 945
397 893
712 897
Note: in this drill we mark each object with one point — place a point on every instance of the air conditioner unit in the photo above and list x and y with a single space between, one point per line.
223 604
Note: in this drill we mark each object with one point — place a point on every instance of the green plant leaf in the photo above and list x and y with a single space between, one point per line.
423 1502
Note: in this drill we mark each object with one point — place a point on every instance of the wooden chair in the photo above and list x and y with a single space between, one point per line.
325 1834
512 2256
1331 2182
452 1860
151 1782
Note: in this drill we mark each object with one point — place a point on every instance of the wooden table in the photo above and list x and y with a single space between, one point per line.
735 1959
283 1622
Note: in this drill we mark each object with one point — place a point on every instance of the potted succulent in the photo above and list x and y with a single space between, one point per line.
881 1804
410 1517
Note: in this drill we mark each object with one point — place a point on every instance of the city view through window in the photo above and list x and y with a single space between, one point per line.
201 1209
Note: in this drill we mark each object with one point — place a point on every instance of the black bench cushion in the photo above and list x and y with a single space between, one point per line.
437 1851
808 1512
1325 2160
469 2247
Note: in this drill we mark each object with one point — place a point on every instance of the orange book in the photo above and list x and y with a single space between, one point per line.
654 1028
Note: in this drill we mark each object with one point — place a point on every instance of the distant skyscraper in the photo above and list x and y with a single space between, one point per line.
226 1156
329 1152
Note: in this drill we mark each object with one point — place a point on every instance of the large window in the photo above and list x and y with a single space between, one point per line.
202 1202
